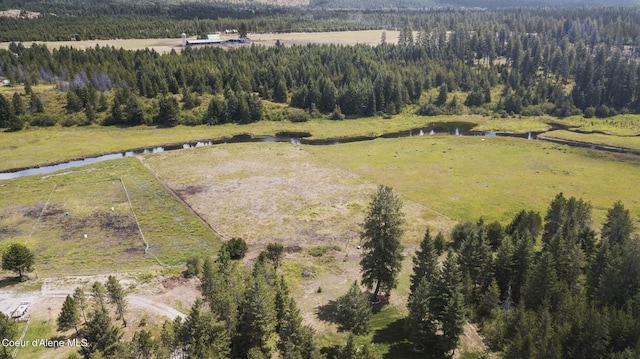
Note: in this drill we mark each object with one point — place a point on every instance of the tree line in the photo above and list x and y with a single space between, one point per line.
543 287
538 287
541 63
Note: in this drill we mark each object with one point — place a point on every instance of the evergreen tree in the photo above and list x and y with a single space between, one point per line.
69 316
36 104
257 327
81 299
18 258
349 351
446 303
425 262
98 293
117 115
17 104
142 345
133 113
280 91
117 296
102 103
439 244
8 331
215 112
6 112
74 104
188 102
381 259
90 115
101 335
203 335
542 283
420 322
555 217
168 111
296 339
442 95
353 312
618 228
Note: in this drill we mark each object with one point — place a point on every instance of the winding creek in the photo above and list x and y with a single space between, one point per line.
301 138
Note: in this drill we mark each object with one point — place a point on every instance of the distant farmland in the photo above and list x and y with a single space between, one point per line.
369 37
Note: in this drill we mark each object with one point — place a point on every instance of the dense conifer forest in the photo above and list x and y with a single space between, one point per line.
557 62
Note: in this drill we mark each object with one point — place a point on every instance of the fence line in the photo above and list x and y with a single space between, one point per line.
40 215
15 352
146 244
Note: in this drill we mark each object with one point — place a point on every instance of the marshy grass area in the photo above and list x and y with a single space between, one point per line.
38 146
629 142
464 178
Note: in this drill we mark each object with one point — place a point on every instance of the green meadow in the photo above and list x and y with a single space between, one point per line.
494 177
80 221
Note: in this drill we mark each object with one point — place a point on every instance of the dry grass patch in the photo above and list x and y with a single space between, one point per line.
81 222
271 192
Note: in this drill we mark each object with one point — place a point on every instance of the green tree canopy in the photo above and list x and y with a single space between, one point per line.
69 316
18 258
353 312
8 330
101 335
381 259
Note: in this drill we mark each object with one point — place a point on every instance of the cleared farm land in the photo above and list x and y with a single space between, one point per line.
96 219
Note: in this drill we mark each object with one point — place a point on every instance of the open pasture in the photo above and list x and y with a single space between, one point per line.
37 146
368 37
85 221
276 192
495 177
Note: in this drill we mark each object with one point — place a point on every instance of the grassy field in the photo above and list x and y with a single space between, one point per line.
621 125
630 142
309 198
467 177
37 146
52 215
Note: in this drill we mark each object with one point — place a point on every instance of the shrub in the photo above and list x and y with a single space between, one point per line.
189 119
589 112
297 115
429 110
237 248
336 115
194 267
42 120
319 251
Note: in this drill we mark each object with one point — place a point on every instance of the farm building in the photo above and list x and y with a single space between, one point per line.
213 39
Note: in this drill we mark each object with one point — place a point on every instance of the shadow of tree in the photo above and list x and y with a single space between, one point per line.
405 350
327 312
9 281
397 336
383 301
395 332
332 351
